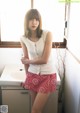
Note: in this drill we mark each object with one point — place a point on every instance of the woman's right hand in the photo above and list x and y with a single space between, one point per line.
25 60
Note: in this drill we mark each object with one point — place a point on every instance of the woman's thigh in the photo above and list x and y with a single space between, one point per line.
40 101
33 96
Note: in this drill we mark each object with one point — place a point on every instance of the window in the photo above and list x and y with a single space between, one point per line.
74 30
12 19
52 12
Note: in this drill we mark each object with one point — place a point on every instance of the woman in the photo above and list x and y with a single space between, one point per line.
40 73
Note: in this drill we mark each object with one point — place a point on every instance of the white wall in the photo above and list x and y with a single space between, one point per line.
72 81
72 84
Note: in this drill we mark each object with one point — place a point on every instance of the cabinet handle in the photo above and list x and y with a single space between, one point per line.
24 92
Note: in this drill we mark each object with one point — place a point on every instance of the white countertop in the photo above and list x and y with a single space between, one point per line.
14 74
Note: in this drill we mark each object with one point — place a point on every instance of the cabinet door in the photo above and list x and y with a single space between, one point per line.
18 101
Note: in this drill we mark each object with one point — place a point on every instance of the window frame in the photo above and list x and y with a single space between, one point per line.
12 44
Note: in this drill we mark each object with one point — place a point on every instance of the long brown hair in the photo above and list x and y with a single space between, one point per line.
32 14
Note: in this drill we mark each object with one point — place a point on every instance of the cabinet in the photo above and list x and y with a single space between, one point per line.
17 99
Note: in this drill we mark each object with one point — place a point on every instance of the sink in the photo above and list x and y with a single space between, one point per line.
19 75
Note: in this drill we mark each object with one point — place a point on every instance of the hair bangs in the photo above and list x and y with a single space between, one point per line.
33 14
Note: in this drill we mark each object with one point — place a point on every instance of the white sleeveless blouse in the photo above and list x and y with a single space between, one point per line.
35 49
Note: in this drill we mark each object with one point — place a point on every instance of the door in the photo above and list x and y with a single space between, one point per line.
17 100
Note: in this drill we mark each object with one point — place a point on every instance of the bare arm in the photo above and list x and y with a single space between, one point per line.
25 53
47 50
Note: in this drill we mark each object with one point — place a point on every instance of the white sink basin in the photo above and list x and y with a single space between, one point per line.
19 75
13 73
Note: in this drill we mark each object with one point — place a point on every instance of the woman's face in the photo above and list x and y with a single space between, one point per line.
33 24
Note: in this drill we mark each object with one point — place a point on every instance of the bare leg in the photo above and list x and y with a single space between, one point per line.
39 102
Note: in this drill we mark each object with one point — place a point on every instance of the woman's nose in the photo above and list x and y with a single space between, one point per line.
34 20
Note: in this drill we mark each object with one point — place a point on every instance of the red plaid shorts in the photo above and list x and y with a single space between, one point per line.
40 83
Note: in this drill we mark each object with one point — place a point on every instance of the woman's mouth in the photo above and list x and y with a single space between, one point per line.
33 26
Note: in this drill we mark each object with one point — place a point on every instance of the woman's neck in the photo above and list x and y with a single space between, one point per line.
33 35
